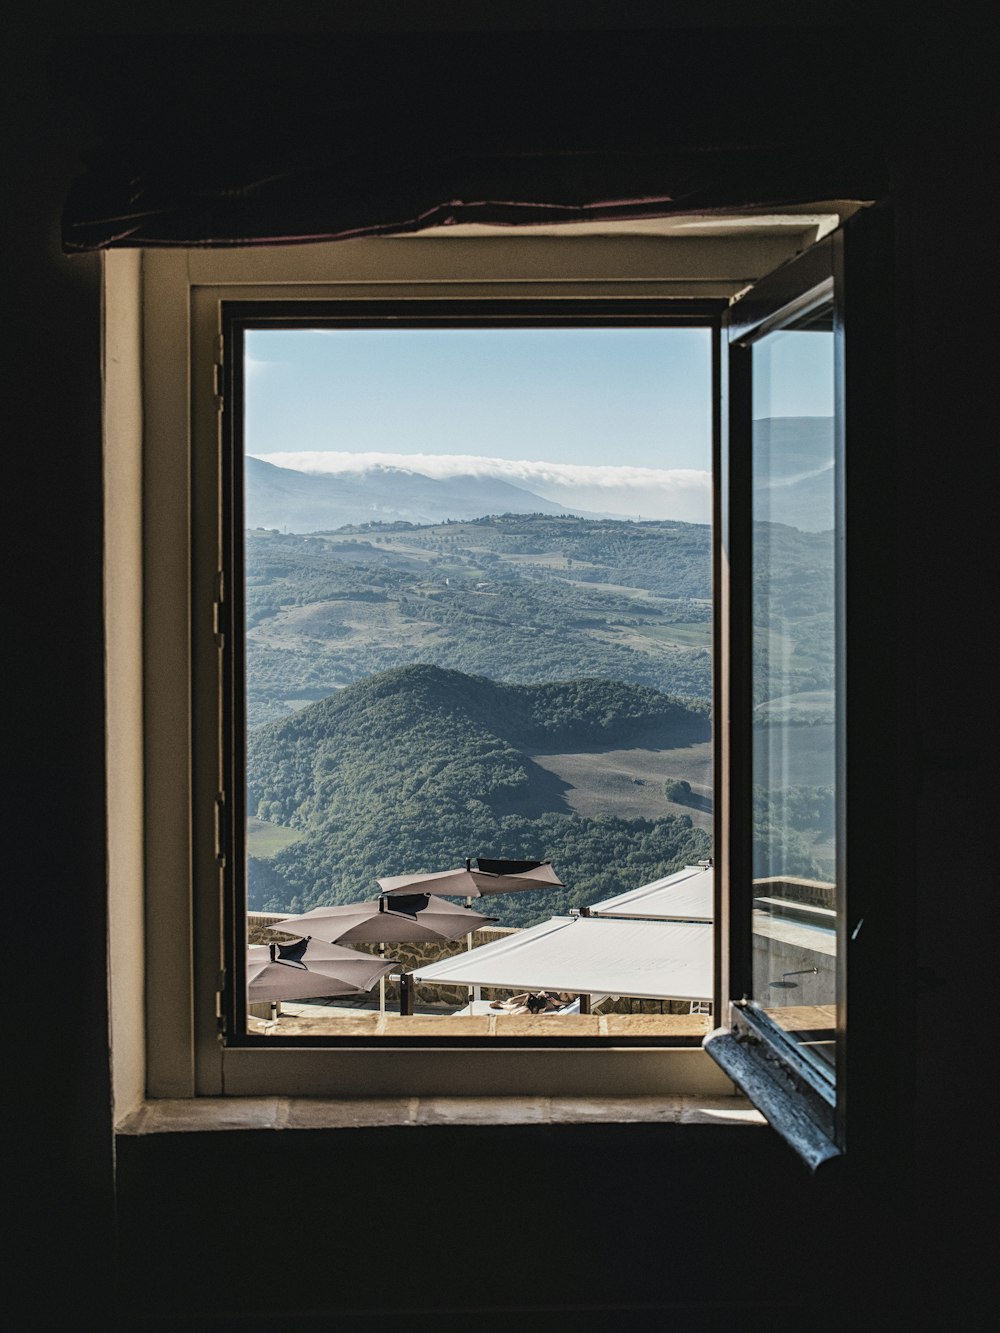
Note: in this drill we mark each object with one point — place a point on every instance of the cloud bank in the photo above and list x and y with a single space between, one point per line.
683 494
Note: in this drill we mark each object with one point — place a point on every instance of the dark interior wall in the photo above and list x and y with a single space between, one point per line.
583 1227
58 1138
916 1229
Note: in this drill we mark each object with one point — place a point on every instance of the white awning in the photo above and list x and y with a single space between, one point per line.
651 960
686 895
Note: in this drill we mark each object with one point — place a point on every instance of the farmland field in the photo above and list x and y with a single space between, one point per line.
265 840
630 782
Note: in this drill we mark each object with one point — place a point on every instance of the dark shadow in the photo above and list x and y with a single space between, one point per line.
545 794
659 736
695 801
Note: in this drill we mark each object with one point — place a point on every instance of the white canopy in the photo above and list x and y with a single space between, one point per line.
652 960
686 895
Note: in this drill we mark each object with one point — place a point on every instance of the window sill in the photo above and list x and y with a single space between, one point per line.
208 1114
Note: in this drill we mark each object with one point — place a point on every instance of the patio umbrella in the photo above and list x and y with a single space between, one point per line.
310 969
490 876
403 918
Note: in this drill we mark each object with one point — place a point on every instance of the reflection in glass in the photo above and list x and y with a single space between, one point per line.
794 679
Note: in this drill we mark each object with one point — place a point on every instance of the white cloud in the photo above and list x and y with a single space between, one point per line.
253 367
677 493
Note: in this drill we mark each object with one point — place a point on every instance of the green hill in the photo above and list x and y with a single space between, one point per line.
418 767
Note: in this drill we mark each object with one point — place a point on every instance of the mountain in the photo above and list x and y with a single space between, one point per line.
286 499
418 767
793 463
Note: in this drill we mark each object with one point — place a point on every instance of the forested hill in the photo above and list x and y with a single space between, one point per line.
418 767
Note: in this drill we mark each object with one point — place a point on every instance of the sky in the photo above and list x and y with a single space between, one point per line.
795 376
607 420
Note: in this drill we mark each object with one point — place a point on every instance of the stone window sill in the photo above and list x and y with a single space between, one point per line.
205 1114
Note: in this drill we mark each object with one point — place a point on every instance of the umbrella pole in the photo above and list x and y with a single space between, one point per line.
381 980
474 991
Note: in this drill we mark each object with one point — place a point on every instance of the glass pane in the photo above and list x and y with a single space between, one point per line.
794 680
478 626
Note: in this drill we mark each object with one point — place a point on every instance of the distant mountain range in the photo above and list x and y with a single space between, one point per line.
293 501
794 459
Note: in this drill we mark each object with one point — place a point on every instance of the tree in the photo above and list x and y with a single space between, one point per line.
676 789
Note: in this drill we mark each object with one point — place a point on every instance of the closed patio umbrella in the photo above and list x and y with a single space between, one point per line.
310 969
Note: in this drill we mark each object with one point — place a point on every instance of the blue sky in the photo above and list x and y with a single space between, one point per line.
601 420
638 397
794 375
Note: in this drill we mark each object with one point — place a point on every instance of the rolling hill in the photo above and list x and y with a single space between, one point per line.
418 767
518 598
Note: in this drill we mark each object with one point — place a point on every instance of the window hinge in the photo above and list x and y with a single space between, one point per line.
219 384
217 605
220 828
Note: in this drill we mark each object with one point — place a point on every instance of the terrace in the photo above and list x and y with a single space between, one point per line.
633 962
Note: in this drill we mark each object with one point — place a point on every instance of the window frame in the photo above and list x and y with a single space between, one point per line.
236 317
180 292
818 1114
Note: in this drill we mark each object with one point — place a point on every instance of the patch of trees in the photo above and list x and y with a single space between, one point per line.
677 790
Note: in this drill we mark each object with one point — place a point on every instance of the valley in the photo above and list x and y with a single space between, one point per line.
524 685
517 598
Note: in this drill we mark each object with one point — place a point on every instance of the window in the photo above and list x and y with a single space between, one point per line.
189 920
435 668
806 377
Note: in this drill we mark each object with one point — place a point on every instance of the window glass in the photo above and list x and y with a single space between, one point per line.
794 678
477 580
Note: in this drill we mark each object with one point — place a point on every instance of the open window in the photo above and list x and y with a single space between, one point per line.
198 1041
807 386
469 704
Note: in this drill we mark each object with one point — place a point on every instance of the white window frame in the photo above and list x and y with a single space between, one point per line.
162 478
